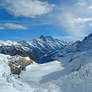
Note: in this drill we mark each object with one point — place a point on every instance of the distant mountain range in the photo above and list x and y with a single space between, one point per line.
35 49
44 48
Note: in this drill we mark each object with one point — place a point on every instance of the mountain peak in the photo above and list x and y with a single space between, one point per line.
44 38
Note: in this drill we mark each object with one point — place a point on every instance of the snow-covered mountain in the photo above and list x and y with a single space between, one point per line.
35 49
70 69
83 45
63 75
86 43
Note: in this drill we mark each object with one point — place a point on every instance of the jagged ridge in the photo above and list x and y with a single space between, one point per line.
35 49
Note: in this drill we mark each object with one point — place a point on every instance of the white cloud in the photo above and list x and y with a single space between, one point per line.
90 24
80 4
2 28
90 7
68 38
83 20
75 18
14 26
71 26
26 8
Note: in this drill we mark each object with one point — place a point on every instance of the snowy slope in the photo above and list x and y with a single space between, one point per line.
71 71
5 86
86 43
26 83
8 43
63 75
37 71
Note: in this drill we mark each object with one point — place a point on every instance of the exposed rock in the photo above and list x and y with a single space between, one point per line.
18 64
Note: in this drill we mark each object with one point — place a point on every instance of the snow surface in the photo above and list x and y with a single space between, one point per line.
63 75
35 72
8 43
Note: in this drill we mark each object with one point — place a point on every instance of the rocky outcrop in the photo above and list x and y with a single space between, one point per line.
18 64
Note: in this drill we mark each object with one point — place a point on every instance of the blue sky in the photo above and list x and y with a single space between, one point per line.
27 19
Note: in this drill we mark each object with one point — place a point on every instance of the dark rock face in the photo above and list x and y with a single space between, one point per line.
35 49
